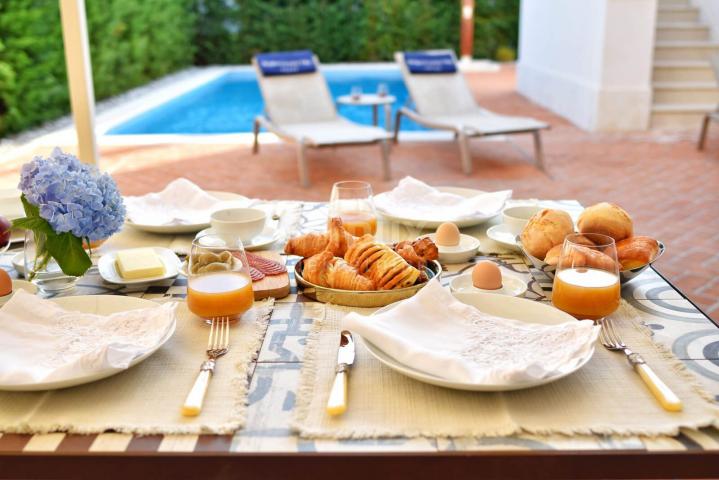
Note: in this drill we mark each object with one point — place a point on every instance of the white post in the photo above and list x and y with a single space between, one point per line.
79 77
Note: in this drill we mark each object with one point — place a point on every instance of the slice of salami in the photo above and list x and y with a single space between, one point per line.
256 275
265 265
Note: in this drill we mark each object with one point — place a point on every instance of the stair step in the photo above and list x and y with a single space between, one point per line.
679 115
682 31
685 50
673 2
686 92
677 13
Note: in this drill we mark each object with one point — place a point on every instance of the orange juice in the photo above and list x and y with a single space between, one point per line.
219 294
586 292
359 223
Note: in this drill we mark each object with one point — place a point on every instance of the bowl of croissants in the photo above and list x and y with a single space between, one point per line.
542 238
337 267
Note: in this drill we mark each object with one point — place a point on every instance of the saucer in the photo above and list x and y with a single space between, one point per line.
108 269
511 286
268 236
462 253
19 285
502 235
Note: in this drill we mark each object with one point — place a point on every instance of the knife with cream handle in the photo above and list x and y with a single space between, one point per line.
337 402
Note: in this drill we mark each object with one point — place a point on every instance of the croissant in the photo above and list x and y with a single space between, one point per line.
418 252
326 270
336 239
634 252
378 262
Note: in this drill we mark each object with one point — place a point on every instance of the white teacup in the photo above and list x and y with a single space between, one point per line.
515 218
243 223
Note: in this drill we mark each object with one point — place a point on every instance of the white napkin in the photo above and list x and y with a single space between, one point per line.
412 198
42 342
436 334
181 202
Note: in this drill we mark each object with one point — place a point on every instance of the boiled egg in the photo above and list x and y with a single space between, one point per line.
447 235
5 283
487 276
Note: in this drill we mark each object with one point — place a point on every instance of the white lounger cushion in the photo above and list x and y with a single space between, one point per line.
483 122
336 131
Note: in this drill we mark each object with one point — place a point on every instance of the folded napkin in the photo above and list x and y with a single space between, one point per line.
181 202
42 342
412 198
436 334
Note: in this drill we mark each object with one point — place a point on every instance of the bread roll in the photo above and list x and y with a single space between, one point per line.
552 256
607 219
634 252
544 230
580 256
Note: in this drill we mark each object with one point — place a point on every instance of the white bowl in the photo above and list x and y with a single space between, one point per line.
511 286
242 223
462 253
515 218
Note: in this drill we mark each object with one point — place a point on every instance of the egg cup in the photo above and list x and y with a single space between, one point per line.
462 253
511 286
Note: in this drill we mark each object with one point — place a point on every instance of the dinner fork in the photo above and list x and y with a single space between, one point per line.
666 397
218 344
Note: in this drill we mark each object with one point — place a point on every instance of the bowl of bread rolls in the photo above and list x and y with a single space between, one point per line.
542 238
337 267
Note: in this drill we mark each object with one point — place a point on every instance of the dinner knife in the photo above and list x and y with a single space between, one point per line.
337 402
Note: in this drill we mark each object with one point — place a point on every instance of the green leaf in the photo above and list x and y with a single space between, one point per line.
30 209
35 224
67 251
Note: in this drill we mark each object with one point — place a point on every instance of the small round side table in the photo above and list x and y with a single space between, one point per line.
375 101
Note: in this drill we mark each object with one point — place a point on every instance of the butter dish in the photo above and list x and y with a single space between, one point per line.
110 272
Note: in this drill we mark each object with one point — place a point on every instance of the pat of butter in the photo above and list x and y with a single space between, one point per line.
139 263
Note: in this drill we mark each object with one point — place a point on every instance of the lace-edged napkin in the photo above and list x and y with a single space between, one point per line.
181 202
435 333
42 342
412 198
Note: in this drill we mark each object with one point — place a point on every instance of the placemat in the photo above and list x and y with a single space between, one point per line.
146 399
604 397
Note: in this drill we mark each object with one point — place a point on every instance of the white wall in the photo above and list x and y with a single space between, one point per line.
589 61
709 15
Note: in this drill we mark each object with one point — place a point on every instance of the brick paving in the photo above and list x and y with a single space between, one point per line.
670 188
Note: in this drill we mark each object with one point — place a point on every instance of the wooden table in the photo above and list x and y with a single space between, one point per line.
267 448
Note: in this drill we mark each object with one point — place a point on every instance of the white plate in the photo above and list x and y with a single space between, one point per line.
100 305
511 286
195 227
509 307
19 285
462 253
18 263
429 224
269 235
502 235
108 269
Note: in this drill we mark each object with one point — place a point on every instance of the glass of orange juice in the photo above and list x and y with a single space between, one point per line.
586 282
352 202
218 282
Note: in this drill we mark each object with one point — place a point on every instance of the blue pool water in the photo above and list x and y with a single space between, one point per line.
229 104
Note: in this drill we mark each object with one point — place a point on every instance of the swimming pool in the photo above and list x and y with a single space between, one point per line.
229 103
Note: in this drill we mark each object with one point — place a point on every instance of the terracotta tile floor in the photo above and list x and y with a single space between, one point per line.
670 188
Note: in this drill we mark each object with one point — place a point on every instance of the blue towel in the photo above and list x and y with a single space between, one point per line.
286 63
430 62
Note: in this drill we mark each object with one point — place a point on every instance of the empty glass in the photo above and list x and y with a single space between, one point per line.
382 90
356 92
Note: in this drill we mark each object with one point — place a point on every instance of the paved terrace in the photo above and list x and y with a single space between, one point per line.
670 188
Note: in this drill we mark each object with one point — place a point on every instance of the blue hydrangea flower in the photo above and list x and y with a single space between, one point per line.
72 196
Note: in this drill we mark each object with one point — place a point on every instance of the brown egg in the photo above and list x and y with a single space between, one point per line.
447 235
487 276
5 283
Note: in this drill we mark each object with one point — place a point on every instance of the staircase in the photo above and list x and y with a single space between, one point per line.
683 81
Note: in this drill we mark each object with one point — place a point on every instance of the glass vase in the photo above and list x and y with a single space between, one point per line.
41 269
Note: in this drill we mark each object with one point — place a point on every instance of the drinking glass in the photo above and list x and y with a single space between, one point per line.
356 92
382 90
352 202
218 281
586 282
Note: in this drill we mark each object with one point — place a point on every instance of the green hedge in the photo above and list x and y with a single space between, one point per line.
131 42
348 30
134 41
